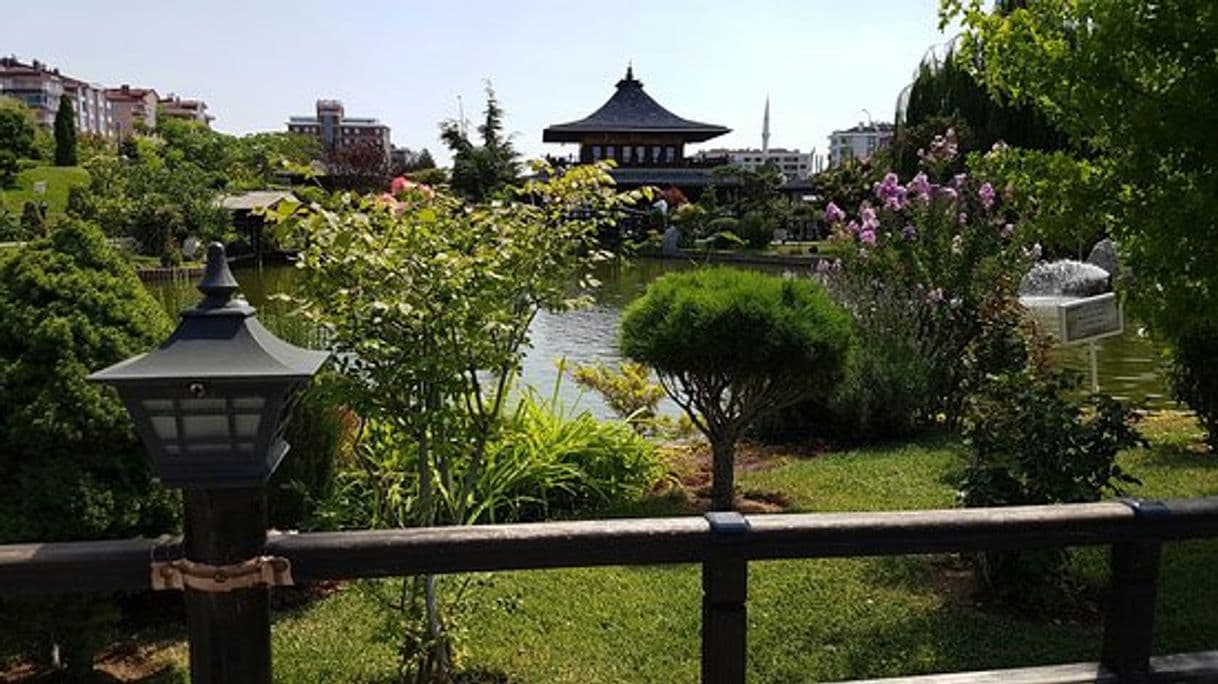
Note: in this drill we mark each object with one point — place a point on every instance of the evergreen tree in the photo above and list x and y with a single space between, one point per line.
16 137
65 133
424 161
481 171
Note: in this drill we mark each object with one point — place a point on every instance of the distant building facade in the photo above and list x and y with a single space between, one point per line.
40 88
792 163
337 131
175 107
132 107
859 142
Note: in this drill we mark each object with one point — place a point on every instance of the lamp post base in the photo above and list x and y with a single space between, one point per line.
230 632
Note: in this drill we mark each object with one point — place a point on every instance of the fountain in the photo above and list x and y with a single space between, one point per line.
1064 278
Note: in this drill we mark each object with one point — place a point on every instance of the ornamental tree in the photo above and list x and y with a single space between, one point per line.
733 346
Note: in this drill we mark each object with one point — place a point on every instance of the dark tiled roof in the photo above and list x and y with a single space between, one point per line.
632 110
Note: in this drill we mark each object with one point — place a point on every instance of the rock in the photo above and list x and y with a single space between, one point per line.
1064 278
670 244
1104 254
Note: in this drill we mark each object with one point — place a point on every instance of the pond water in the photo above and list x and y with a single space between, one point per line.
1129 364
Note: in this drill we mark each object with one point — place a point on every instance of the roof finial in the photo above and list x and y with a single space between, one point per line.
218 283
630 70
629 80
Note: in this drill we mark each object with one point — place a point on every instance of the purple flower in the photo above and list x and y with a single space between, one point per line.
910 233
868 215
920 187
890 192
959 180
853 227
949 193
868 237
962 219
1007 231
986 193
833 213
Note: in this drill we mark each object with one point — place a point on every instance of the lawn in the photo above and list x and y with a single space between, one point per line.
59 180
808 620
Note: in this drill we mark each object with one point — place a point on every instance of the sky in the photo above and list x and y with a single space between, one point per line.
825 64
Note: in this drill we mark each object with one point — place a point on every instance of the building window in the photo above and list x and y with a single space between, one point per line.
596 153
640 153
670 154
610 152
626 154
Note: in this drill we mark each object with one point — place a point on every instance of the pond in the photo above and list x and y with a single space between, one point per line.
1129 365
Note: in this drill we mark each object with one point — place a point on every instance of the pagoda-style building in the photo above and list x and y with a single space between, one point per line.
646 141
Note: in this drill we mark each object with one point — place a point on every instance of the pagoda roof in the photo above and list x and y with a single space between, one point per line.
632 110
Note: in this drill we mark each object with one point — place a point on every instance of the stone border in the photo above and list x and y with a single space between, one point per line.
161 275
716 257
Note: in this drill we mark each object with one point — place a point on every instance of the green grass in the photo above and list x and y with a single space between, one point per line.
808 620
58 179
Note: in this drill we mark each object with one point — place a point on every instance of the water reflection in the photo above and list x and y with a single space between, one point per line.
1129 365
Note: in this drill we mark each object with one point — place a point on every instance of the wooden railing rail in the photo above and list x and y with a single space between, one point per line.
723 543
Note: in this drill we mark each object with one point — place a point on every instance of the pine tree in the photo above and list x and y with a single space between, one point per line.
65 133
480 171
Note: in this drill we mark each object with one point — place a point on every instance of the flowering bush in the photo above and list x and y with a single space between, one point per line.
945 249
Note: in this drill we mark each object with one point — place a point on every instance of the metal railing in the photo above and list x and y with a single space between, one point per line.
724 544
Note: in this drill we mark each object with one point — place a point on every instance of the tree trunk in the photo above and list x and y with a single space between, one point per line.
723 462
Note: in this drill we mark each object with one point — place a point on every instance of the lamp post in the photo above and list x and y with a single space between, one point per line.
210 405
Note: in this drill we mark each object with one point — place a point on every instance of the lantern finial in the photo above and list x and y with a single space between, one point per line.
218 283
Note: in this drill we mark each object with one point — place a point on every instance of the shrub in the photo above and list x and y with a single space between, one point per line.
1031 444
551 460
1194 376
628 390
318 431
70 464
731 346
756 229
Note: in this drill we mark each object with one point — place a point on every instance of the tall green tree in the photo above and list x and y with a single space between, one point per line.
16 137
65 133
1137 83
481 171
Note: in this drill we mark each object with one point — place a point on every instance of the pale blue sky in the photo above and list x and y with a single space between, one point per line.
405 62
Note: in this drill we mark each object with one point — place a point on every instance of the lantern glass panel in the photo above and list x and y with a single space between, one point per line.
205 427
166 427
248 403
203 405
158 405
247 425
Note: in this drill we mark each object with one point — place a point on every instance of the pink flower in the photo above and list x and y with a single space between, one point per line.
402 184
867 237
935 296
962 219
853 227
1007 231
833 213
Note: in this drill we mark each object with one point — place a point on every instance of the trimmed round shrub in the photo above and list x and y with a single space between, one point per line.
733 346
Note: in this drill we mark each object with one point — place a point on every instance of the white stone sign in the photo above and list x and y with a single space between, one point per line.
1090 318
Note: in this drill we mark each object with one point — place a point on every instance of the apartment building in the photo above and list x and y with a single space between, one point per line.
859 142
40 88
132 107
175 107
337 131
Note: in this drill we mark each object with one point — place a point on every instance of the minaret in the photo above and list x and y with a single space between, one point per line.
765 131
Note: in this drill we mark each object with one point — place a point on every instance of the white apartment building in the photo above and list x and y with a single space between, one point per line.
793 164
859 142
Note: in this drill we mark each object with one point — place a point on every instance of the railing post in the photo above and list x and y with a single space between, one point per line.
725 580
230 632
1130 615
